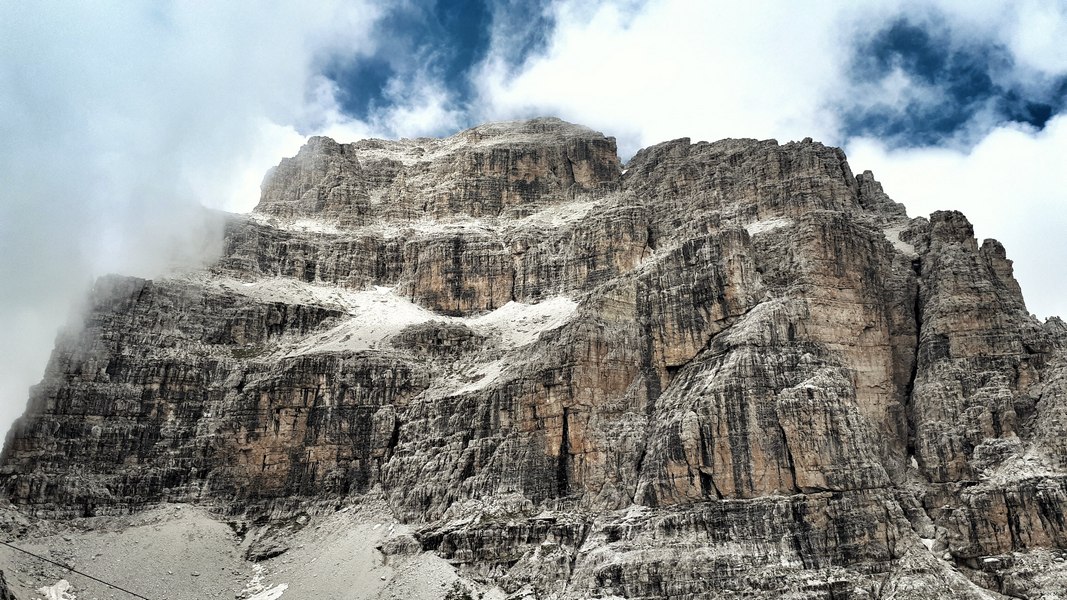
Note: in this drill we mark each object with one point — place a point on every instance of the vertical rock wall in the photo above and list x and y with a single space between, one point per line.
732 368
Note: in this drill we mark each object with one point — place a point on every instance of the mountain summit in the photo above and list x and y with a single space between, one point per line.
504 364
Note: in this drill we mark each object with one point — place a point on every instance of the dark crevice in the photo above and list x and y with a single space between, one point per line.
514 279
649 366
563 463
909 389
394 438
415 275
707 481
653 386
454 277
640 464
789 458
569 166
1013 524
650 239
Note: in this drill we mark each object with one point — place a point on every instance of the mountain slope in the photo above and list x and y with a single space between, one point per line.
727 368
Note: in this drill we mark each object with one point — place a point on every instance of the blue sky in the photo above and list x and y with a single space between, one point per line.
121 120
975 78
960 83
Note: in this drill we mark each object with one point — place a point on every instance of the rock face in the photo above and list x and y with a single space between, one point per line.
5 592
728 369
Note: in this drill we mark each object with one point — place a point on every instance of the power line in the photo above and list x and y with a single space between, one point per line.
73 570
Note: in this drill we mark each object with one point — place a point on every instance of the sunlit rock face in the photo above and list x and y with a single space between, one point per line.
728 369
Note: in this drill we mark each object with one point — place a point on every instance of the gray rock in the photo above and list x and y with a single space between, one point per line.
5 592
735 368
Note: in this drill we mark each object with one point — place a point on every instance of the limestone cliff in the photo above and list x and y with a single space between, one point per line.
727 369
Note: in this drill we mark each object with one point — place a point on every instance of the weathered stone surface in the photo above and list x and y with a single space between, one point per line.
485 171
5 593
733 369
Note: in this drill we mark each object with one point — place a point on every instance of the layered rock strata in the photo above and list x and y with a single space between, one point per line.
729 368
5 592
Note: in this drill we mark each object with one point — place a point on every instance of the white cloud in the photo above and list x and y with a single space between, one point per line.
119 121
1038 33
709 70
674 68
663 69
1011 185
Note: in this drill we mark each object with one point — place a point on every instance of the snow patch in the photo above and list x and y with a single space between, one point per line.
1029 465
510 328
271 594
58 591
557 215
767 225
426 227
300 224
255 590
893 235
422 227
377 315
517 324
477 378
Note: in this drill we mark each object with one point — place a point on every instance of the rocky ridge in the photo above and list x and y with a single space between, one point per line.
730 368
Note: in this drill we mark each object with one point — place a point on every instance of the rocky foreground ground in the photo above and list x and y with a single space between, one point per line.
503 364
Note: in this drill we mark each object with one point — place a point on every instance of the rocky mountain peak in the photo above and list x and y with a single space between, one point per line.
731 368
513 168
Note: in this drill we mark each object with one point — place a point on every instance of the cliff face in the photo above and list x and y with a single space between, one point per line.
727 368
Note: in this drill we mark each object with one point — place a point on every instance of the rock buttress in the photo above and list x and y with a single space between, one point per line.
732 368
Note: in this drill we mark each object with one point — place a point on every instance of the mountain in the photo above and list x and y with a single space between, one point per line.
508 365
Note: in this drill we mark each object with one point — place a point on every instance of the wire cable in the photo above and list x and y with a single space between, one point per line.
73 570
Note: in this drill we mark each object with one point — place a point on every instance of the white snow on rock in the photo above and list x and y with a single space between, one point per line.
893 235
518 324
767 225
271 594
379 314
58 591
301 224
1028 464
255 590
557 215
376 316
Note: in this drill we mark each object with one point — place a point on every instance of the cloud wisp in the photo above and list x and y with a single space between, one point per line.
119 124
